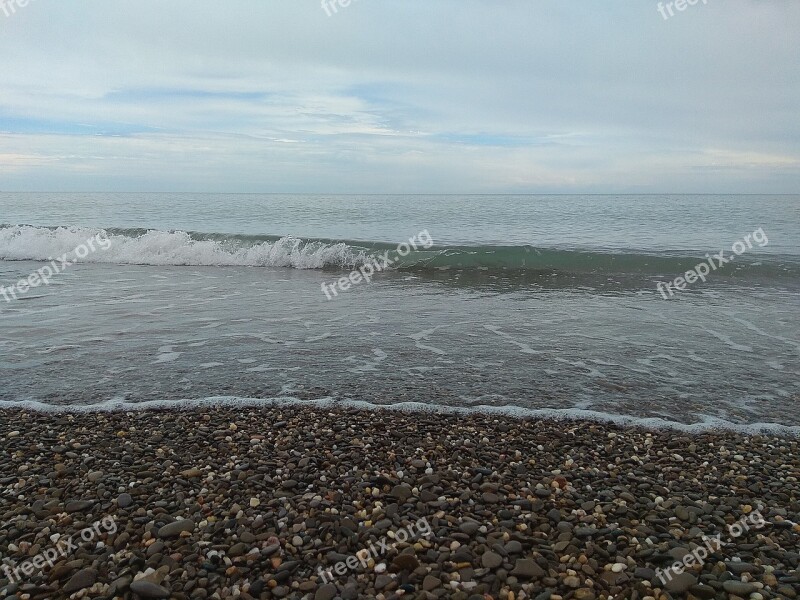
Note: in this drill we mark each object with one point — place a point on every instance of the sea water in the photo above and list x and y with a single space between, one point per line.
524 304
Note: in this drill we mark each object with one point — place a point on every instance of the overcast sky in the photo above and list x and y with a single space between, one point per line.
419 96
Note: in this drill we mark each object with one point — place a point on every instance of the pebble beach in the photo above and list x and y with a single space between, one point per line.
265 502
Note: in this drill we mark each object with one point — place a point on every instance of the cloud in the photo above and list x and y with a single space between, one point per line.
408 96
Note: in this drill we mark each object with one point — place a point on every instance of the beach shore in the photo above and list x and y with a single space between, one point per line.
320 503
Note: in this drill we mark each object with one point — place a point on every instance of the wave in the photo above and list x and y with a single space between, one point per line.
155 247
707 424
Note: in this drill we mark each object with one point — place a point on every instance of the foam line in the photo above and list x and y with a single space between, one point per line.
180 248
22 242
710 424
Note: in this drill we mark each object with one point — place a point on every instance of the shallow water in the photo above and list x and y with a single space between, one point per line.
598 340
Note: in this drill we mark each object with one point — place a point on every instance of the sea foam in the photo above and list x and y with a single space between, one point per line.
707 424
153 247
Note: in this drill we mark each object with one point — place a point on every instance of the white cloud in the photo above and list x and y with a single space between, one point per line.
262 95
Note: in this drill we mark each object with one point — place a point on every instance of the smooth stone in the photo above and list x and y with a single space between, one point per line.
155 548
430 583
740 588
561 546
78 505
469 527
704 592
256 587
120 585
405 562
527 568
82 579
491 560
176 528
148 589
737 568
680 583
401 492
326 592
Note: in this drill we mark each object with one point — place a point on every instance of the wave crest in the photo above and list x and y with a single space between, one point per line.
153 247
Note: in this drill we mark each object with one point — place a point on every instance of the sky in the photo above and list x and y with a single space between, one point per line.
401 96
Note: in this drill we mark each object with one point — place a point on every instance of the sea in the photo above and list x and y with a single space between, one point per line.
533 305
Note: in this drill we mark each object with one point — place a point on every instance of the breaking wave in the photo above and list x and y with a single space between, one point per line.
155 247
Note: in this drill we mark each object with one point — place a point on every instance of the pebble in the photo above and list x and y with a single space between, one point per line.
517 508
148 589
175 528
680 583
491 560
739 588
527 568
325 592
81 580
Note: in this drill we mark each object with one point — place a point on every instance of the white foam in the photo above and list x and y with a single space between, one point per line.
568 414
23 242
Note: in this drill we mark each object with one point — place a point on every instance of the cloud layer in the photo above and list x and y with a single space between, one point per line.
400 96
